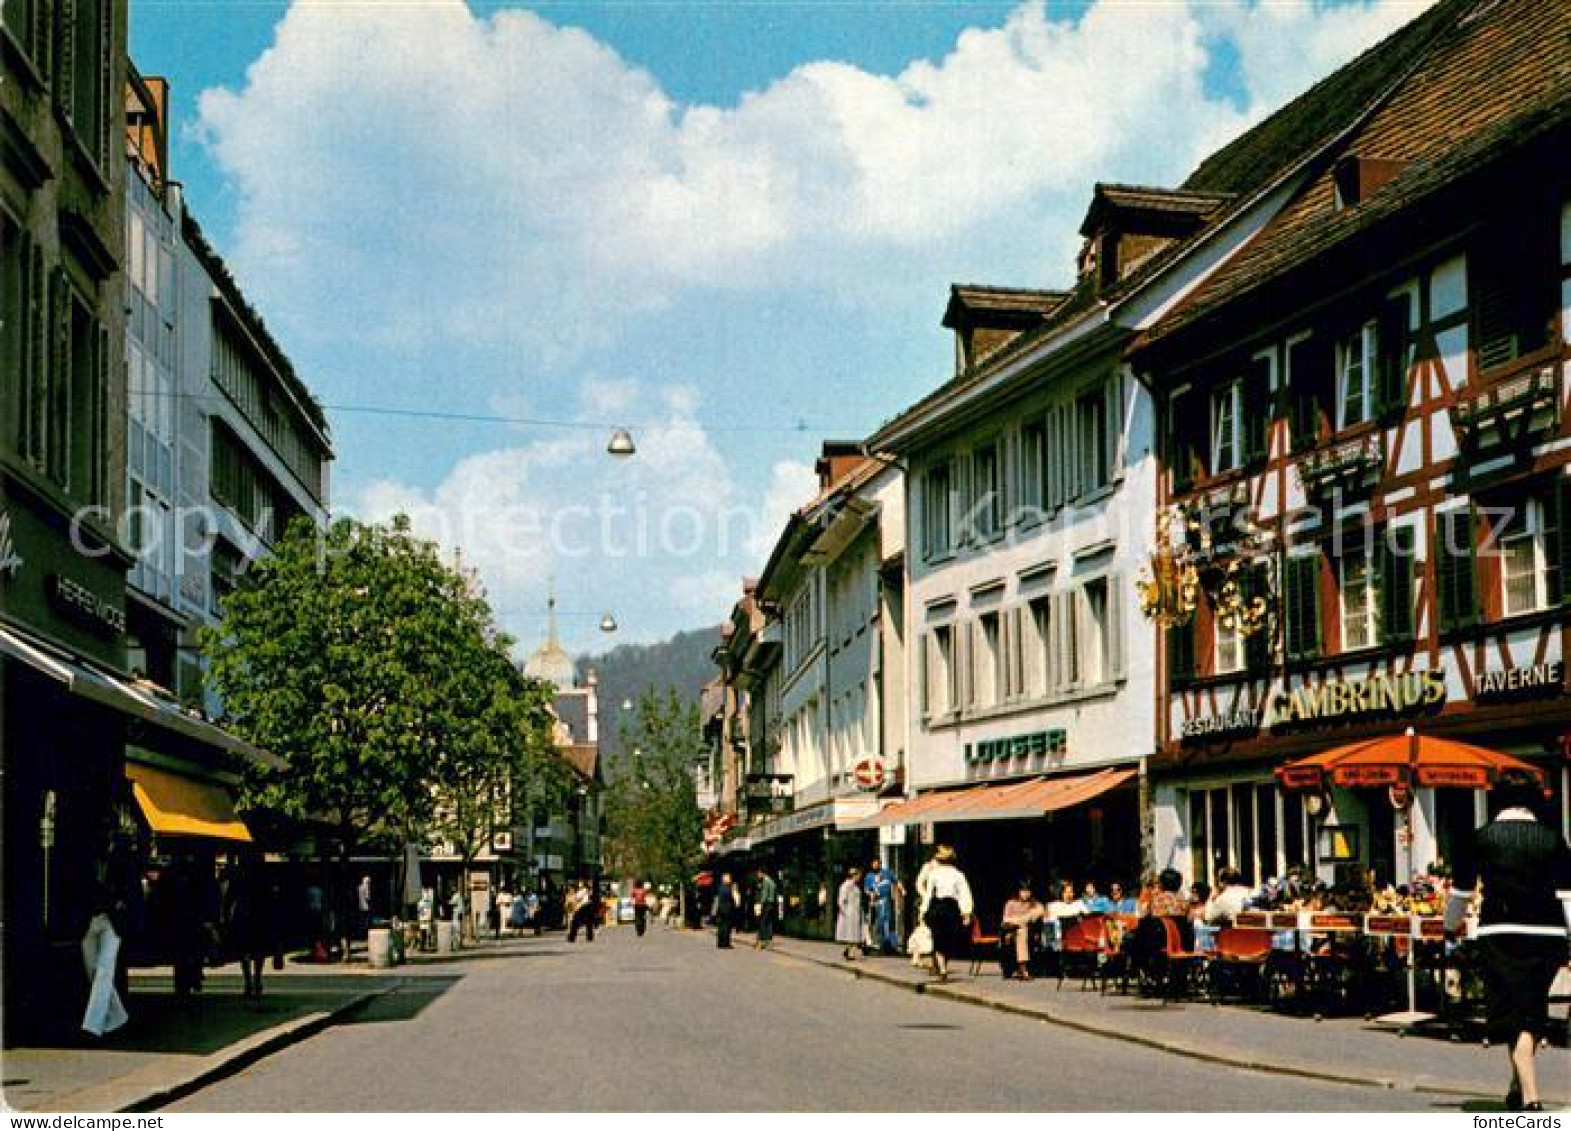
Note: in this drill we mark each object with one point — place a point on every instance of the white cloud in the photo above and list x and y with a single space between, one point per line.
509 181
488 210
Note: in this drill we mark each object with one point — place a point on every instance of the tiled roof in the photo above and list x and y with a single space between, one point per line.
1255 159
1145 198
1010 300
1496 76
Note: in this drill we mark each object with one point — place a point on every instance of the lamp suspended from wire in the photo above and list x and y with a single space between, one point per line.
608 623
621 445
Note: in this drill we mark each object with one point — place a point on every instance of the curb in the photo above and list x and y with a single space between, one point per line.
1176 1048
241 1055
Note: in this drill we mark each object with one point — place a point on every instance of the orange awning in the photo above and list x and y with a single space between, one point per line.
1404 759
1006 801
181 806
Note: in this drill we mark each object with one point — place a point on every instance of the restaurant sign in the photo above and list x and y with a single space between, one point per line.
1032 745
85 606
1246 720
1377 695
1509 683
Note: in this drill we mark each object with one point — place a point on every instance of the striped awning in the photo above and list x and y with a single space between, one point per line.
1005 801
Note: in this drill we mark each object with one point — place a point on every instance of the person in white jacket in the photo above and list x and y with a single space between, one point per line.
946 909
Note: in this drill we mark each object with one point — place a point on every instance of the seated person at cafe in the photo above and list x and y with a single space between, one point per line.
1020 916
1168 899
1230 900
1122 904
1199 897
1095 902
1066 906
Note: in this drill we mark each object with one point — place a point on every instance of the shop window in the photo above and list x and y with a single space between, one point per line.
1293 840
1199 842
1243 816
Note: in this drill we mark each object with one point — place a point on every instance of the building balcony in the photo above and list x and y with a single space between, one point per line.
1351 467
1499 426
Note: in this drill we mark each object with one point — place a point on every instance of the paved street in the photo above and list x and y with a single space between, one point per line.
669 1022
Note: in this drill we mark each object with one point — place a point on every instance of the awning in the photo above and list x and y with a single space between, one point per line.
129 697
181 806
1009 801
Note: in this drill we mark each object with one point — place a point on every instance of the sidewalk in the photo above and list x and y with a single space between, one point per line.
1346 1050
174 1045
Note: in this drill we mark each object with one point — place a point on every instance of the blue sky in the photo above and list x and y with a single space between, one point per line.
731 226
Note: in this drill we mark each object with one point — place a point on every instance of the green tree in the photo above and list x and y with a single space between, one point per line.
653 823
374 671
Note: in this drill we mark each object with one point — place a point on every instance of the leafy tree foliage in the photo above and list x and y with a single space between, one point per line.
654 826
376 673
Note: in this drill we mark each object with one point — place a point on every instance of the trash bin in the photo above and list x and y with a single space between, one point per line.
379 947
444 936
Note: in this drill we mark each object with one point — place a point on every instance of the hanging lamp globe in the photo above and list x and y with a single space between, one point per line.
621 444
608 623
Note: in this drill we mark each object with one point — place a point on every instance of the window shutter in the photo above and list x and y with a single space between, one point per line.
1115 627
1455 570
1309 371
1396 584
1115 428
1557 542
1303 601
1181 653
1180 451
1255 428
1067 617
925 660
1391 343
1257 646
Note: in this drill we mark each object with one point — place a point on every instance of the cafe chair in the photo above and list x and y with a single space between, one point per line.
984 948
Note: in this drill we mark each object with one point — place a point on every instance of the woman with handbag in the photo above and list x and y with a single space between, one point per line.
947 909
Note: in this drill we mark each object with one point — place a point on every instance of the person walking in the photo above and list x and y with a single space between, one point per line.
727 900
768 909
580 913
948 909
879 885
1525 868
247 919
640 908
848 914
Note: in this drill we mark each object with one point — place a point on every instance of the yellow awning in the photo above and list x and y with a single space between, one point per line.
181 806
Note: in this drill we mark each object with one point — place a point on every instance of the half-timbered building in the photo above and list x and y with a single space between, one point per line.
1365 452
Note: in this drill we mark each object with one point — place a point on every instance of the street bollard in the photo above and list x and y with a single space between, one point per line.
444 937
379 947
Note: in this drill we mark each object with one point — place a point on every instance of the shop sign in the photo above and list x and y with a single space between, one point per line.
1540 679
768 793
1377 695
869 774
80 602
10 560
1032 745
1244 721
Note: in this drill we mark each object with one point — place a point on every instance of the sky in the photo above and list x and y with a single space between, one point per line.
489 233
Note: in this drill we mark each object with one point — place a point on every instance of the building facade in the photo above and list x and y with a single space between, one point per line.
68 811
1366 451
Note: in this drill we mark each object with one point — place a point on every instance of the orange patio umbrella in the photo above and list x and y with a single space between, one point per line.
1410 759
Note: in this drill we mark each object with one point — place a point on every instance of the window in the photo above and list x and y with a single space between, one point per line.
1235 826
935 511
1302 605
1032 493
1359 599
1310 381
1226 439
1038 646
1455 569
1512 280
987 670
1093 638
85 44
1229 647
985 514
939 693
1091 425
1526 542
1356 363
